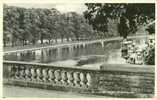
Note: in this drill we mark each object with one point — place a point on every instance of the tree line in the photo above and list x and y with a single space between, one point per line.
23 26
28 26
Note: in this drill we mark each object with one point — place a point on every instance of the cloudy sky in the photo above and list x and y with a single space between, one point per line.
63 8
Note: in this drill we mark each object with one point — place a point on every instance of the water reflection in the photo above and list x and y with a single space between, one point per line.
80 55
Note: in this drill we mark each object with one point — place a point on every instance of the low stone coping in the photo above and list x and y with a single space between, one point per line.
128 68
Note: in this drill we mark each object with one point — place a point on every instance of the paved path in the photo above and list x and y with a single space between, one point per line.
15 91
76 43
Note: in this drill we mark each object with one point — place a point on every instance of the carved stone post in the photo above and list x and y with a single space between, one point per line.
17 72
51 75
22 72
64 77
58 76
70 78
28 74
12 71
39 75
77 79
83 80
33 73
45 75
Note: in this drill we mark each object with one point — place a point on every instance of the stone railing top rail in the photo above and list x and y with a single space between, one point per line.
128 68
104 67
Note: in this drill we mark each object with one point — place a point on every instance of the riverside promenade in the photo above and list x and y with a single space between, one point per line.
25 48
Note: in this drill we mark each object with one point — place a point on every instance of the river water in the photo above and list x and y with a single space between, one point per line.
79 55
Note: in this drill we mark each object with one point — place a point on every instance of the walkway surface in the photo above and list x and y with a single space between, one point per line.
70 44
15 91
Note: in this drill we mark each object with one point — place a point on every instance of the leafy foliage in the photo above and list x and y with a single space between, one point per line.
149 59
100 14
28 26
151 28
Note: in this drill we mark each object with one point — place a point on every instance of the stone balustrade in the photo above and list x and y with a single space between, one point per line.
46 74
108 79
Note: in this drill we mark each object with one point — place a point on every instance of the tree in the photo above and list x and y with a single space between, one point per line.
123 26
22 32
151 29
32 25
149 59
10 23
26 26
98 14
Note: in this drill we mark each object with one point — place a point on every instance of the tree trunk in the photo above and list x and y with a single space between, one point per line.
15 43
77 38
62 38
23 42
41 39
68 39
4 42
33 41
12 43
49 41
56 40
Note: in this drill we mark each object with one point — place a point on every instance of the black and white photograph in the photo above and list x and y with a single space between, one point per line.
79 50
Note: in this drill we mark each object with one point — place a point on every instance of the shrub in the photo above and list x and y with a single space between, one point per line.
149 59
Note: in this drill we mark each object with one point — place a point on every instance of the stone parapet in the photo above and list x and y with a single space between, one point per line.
119 80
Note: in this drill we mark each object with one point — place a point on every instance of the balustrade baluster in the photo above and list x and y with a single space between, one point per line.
77 78
22 72
64 77
28 74
70 78
12 72
83 80
17 73
51 75
45 75
58 76
39 75
89 79
34 74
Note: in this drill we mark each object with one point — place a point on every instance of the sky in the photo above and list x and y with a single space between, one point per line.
63 8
